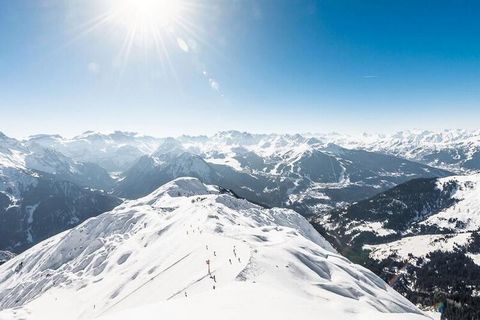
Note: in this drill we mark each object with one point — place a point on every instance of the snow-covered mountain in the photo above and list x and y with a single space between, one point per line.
190 251
114 152
454 150
376 197
447 223
418 207
422 236
43 192
276 170
29 156
150 172
302 173
46 207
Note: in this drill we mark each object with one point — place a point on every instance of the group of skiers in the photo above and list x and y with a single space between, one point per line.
208 262
193 230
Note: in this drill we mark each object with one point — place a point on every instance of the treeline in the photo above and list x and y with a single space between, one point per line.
450 279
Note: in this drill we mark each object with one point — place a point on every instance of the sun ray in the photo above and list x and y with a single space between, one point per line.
155 30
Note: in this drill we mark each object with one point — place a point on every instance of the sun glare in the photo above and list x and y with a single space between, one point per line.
150 13
148 29
150 24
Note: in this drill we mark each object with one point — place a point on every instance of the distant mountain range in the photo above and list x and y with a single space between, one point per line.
114 152
288 171
307 173
43 192
454 150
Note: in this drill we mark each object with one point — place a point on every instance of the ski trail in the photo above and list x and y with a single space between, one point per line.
146 282
189 285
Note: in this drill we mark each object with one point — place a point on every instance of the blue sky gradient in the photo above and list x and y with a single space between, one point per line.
260 66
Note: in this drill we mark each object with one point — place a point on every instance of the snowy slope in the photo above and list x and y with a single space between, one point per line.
456 222
419 246
464 215
147 258
413 222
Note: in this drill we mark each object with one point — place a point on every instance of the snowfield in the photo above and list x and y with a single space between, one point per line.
147 259
418 246
375 227
465 214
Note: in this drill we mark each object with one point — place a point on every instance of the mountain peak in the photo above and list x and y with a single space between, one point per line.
180 187
176 251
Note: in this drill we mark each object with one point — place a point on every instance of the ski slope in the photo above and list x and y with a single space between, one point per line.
147 259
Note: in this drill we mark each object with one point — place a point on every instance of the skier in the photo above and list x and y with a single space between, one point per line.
214 278
215 253
230 260
206 246
185 294
208 264
19 267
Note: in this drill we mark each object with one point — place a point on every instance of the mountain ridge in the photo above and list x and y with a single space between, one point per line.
180 226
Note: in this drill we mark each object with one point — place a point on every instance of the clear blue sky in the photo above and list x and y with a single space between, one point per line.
261 66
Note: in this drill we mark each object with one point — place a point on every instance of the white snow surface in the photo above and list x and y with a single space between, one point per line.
418 246
475 257
375 227
147 258
466 210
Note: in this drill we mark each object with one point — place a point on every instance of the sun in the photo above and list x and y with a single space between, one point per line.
149 14
148 30
151 25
